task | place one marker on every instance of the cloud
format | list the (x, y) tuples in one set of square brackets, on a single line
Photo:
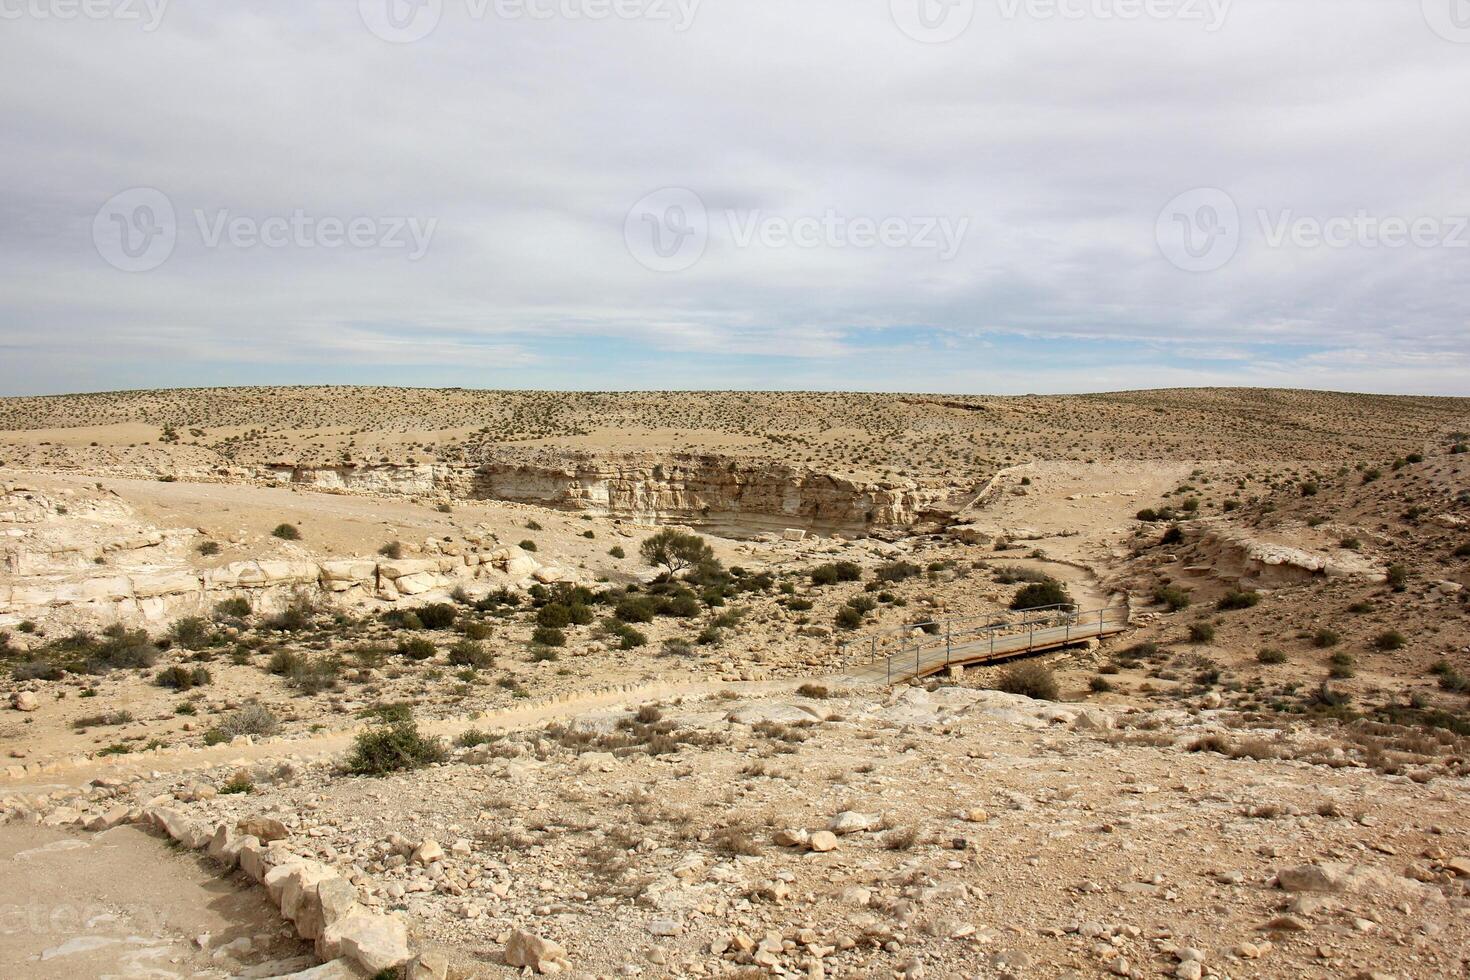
[(1057, 140)]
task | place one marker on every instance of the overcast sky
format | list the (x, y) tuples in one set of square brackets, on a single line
[(999, 196)]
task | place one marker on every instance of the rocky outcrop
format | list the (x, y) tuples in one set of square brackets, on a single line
[(1236, 555), (720, 494)]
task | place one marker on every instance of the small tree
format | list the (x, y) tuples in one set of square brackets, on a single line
[(675, 550)]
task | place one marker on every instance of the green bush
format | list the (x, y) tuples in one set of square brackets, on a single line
[(553, 616), (549, 636), (1324, 638), (1390, 640), (1270, 655), (1238, 599), (896, 571), (439, 616), (182, 678), (191, 633), (208, 549), (1201, 633), (393, 747), (528, 545), (416, 648), (616, 551), (1398, 577), (634, 609), (393, 550), (1172, 596), (1037, 594), (470, 653), (1032, 680), (287, 532), (233, 608)]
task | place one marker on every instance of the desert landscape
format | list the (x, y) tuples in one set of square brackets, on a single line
[(386, 682)]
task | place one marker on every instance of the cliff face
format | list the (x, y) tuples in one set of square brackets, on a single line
[(730, 497)]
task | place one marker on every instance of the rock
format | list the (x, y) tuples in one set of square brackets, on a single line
[(263, 829), (1189, 970), (542, 955), (111, 818), (852, 822), (339, 969), (428, 852), (374, 942), (823, 841), (1310, 878), (1285, 923), (331, 901), (788, 837), (1459, 865), (24, 701), (427, 966), (665, 928)]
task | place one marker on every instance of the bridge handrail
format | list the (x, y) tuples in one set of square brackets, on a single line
[(911, 647)]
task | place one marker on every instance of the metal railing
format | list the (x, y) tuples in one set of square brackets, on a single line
[(923, 648)]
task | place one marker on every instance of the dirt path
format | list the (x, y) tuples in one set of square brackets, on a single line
[(337, 742), (121, 905)]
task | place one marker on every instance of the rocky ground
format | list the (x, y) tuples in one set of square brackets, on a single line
[(674, 775)]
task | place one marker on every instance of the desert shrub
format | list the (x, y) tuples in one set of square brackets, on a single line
[(1148, 515), (553, 616), (1048, 593), (314, 675), (1172, 596), (238, 784), (283, 662), (1099, 685), (36, 670), (549, 636), (119, 649), (683, 606), (404, 619), (439, 616), (862, 603), (677, 648), (208, 549), (528, 545), (393, 550), (296, 617), (236, 608), (1032, 680), (1324, 638), (393, 747), (1309, 488), (1238, 599), (635, 609), (815, 691), (1454, 682), (252, 719), (416, 648), (109, 720), (849, 618), (896, 571), (1342, 665), (182, 678), (1398, 577), (674, 550), (287, 532), (616, 551), (630, 638), (1390, 640), (470, 653), (1174, 535), (1271, 655), (1201, 633), (471, 737), (191, 633)]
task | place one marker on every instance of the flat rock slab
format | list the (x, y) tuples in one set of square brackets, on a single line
[(123, 904)]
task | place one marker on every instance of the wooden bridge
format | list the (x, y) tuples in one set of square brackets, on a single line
[(921, 649)]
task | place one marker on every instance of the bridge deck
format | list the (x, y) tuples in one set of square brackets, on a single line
[(999, 640)]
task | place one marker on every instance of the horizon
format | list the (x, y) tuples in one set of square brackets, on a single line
[(1005, 197)]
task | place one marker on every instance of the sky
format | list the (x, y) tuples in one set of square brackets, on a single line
[(967, 196)]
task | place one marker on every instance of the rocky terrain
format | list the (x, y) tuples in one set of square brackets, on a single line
[(468, 684)]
